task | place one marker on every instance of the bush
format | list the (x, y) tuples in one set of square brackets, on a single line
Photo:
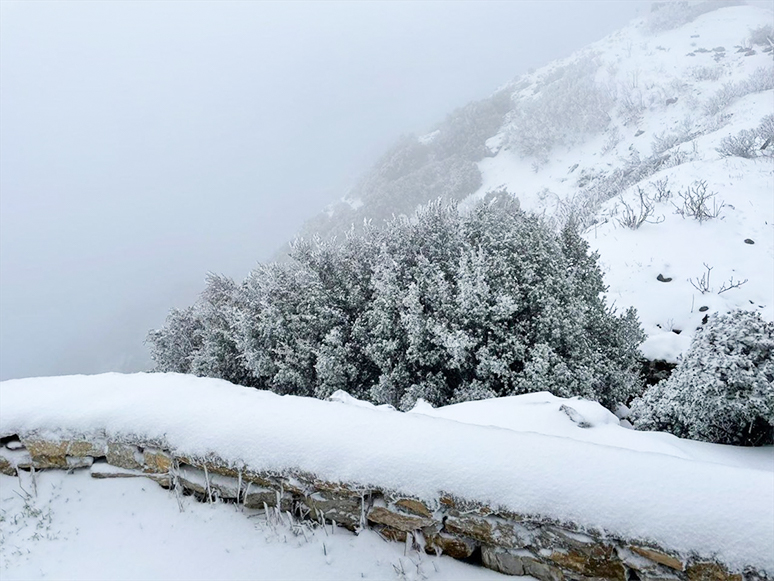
[(743, 144), (723, 389), (442, 306)]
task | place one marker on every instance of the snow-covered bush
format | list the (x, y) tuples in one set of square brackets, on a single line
[(443, 306), (743, 144), (763, 35), (723, 389), (569, 103)]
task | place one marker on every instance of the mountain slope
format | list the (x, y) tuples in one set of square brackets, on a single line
[(629, 137)]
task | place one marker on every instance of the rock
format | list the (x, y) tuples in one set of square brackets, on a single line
[(519, 562), (124, 456), (6, 467), (74, 462), (639, 132), (489, 531), (414, 507), (710, 572), (345, 510), (662, 278), (47, 453), (401, 522), (455, 547), (703, 309), (658, 557), (749, 241), (598, 561), (257, 497), (156, 461)]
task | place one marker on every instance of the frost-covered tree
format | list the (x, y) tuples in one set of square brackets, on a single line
[(442, 306), (722, 390)]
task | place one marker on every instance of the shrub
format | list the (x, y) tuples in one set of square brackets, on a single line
[(743, 144), (763, 35), (442, 306), (723, 389)]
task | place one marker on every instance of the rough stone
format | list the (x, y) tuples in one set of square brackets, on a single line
[(47, 453), (257, 497), (74, 462), (124, 456), (708, 571), (156, 461), (83, 448), (345, 510), (659, 557), (6, 467), (490, 531), (455, 547), (598, 561), (414, 507), (401, 522), (519, 562)]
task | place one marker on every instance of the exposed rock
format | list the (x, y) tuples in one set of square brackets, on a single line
[(710, 572), (156, 461), (401, 522), (662, 278), (414, 507), (490, 531), (598, 561), (124, 456), (345, 510), (47, 453), (455, 547), (519, 562), (257, 497), (74, 462), (6, 467), (659, 557)]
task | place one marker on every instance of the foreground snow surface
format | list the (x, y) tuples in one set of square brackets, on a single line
[(523, 453), (76, 527)]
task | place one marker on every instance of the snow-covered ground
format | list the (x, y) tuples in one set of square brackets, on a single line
[(566, 459), (671, 77), (77, 527)]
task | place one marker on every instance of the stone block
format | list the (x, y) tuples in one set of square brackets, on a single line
[(456, 547), (156, 461), (401, 522), (658, 556), (490, 531), (519, 562), (345, 510), (599, 560), (414, 507), (124, 456), (709, 571)]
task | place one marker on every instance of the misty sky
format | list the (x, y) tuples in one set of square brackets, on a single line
[(143, 144)]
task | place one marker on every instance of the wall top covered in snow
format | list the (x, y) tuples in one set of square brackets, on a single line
[(562, 460)]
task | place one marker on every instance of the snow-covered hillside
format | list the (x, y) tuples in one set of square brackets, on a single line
[(639, 128), (563, 459)]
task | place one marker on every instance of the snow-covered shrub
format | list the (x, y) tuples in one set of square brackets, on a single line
[(569, 103), (763, 35), (761, 79), (697, 203), (722, 390), (702, 73), (442, 306), (743, 144)]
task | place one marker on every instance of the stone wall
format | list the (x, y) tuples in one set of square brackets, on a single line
[(510, 543)]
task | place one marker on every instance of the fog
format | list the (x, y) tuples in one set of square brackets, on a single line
[(143, 144)]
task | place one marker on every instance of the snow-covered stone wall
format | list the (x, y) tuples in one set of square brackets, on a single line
[(501, 540)]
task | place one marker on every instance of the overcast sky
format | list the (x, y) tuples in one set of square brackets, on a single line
[(143, 144)]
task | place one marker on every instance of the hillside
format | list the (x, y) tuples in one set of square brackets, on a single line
[(651, 139)]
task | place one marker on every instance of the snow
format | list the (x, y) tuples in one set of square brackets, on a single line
[(653, 68), (77, 527), (522, 453)]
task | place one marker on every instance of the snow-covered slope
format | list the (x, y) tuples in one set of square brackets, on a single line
[(575, 464), (644, 110)]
